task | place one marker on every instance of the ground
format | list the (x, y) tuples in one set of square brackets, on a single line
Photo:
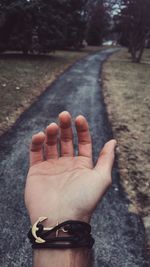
[(23, 78), (119, 233), (126, 88)]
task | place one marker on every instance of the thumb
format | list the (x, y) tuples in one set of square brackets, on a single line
[(106, 157)]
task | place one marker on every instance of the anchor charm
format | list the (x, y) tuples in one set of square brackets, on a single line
[(35, 228)]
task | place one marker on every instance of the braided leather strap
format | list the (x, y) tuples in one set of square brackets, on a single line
[(79, 235)]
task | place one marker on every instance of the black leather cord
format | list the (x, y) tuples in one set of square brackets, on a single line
[(78, 231), (72, 227)]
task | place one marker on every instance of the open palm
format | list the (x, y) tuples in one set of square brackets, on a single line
[(63, 187)]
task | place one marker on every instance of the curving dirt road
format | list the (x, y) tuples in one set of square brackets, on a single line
[(119, 234)]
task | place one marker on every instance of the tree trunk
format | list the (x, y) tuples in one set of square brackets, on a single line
[(133, 54), (141, 53), (137, 55)]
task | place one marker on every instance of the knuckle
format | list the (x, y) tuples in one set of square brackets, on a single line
[(85, 142), (66, 139)]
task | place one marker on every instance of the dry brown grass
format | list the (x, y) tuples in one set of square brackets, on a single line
[(24, 78), (127, 94)]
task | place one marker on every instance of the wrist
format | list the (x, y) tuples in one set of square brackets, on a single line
[(69, 257), (57, 218), (58, 258), (74, 234)]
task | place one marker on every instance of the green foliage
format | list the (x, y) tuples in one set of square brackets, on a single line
[(15, 25), (41, 25)]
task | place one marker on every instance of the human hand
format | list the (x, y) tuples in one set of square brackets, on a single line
[(66, 187)]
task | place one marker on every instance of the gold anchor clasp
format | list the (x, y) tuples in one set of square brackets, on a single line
[(35, 228)]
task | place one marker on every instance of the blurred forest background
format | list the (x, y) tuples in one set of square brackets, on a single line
[(37, 26)]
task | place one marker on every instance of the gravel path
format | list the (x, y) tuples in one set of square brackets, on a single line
[(119, 234)]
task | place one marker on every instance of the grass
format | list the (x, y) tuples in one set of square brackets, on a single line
[(127, 95), (24, 78)]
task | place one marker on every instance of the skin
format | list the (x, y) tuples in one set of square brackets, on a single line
[(63, 186)]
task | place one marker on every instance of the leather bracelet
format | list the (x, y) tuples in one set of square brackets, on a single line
[(79, 235)]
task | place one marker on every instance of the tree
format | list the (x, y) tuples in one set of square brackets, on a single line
[(98, 21), (41, 25), (15, 25), (135, 26), (75, 22)]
